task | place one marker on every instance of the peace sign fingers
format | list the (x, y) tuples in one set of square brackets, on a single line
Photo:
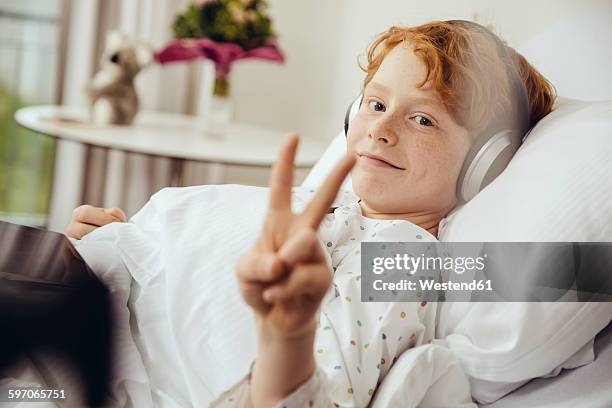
[(281, 178), (319, 206)]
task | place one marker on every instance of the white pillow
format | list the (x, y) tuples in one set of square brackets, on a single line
[(557, 187), (333, 153)]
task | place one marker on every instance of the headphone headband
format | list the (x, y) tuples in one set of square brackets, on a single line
[(495, 145)]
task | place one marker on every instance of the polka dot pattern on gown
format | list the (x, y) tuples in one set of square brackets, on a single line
[(358, 342)]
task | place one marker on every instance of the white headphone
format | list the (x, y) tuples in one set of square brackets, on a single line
[(493, 147)]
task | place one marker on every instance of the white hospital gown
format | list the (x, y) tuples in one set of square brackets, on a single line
[(358, 343)]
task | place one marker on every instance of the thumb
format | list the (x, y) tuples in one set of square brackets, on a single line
[(116, 213)]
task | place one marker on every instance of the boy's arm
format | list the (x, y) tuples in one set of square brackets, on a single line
[(284, 277), (282, 365), (313, 392)]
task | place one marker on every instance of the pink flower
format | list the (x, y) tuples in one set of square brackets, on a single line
[(222, 54)]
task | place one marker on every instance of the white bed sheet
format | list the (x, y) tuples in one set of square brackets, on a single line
[(190, 319), (588, 386)]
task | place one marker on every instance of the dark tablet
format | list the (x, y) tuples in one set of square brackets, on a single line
[(55, 312)]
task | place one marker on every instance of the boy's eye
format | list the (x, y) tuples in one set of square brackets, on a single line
[(376, 104), (419, 119), (422, 120)]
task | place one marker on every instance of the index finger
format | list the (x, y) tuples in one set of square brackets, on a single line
[(318, 207), (281, 177)]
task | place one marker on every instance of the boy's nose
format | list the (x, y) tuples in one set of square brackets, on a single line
[(384, 131)]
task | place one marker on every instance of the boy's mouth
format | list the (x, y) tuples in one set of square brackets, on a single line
[(376, 160)]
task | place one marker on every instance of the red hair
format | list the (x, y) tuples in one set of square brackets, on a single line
[(465, 68)]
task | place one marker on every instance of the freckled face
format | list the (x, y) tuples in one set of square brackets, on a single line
[(410, 150)]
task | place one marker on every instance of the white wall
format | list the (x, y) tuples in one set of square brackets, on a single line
[(322, 40), (296, 95), (576, 56)]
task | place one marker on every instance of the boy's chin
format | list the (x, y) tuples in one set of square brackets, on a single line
[(400, 198), (376, 197), (375, 185)]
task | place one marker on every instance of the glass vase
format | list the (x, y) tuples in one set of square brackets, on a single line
[(221, 110), (220, 115)]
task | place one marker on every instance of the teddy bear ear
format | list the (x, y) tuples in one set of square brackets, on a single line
[(114, 40), (144, 54)]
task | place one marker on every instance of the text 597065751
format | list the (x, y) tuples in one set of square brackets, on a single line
[(25, 394)]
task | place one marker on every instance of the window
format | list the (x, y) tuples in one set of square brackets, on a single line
[(29, 56)]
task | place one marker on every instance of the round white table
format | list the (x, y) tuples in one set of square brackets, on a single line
[(170, 135), (175, 136)]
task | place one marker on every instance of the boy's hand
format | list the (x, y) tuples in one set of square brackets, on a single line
[(87, 218), (285, 274)]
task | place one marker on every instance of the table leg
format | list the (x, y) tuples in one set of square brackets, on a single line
[(66, 193), (216, 173), (176, 172), (115, 175)]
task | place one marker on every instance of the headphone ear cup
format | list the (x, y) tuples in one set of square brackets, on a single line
[(486, 159), (351, 112)]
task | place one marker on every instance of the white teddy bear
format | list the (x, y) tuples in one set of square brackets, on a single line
[(111, 91)]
